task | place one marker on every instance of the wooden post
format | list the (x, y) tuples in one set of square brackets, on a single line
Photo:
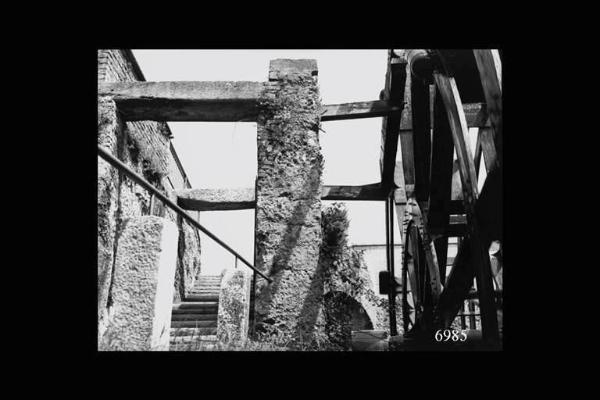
[(483, 273)]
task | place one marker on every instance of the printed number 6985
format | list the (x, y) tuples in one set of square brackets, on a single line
[(450, 334)]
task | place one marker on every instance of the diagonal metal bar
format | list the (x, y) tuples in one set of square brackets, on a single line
[(115, 162)]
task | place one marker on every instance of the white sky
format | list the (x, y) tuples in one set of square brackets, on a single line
[(223, 154)]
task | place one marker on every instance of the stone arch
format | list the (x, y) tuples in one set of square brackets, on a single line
[(360, 318), (364, 300)]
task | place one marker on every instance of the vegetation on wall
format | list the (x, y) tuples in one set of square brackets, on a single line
[(150, 157), (345, 278)]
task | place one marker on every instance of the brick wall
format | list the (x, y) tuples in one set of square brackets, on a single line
[(145, 147)]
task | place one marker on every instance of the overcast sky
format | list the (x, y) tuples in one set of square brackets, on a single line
[(223, 154)]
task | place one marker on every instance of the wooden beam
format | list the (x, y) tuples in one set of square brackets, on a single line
[(490, 71), (489, 216), (457, 191), (405, 144), (442, 154), (418, 215), (244, 198), (421, 128), (459, 281), (441, 250), (185, 101), (364, 109), (460, 134), (395, 83), (488, 148), (361, 193)]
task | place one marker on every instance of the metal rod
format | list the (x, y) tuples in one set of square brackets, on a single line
[(115, 162), (389, 237), (394, 330), (151, 207)]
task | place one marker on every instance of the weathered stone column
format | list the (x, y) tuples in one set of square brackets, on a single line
[(142, 288), (234, 305), (108, 181), (288, 199)]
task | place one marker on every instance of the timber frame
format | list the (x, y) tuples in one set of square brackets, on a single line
[(425, 122)]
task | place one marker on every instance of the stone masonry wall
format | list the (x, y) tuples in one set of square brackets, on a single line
[(145, 147), (288, 209)]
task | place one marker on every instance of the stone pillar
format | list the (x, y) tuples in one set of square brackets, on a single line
[(288, 199), (142, 291), (109, 133), (234, 305)]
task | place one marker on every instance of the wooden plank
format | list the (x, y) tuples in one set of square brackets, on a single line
[(457, 190), (394, 89), (361, 193), (489, 216), (364, 109), (421, 137), (417, 214), (449, 93), (442, 154), (460, 134), (490, 72), (478, 151), (441, 250), (458, 284), (244, 198), (406, 145), (488, 148), (185, 101)]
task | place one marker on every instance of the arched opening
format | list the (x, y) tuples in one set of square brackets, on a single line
[(344, 314)]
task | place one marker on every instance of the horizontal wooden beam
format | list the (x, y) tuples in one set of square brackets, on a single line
[(230, 101), (364, 109), (394, 90), (185, 101), (370, 192), (244, 198)]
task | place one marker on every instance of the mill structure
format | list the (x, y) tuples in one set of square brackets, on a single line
[(441, 115)]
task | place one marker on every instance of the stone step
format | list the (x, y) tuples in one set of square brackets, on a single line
[(196, 305), (195, 311), (192, 346), (201, 298), (193, 324), (208, 332), (194, 317), (202, 291), (188, 339), (206, 287)]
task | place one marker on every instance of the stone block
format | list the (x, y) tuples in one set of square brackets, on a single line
[(142, 289), (234, 305), (285, 68)]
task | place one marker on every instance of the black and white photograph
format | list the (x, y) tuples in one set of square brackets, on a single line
[(299, 200)]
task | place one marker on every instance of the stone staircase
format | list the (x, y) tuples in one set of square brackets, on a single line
[(194, 320)]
